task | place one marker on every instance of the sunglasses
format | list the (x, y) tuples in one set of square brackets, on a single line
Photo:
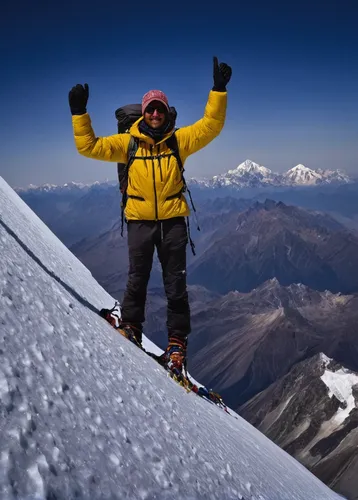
[(151, 108)]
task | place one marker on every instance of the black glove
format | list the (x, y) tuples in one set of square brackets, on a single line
[(222, 75), (77, 98)]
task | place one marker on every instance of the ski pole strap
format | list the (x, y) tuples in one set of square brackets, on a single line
[(193, 206), (192, 245), (122, 221)]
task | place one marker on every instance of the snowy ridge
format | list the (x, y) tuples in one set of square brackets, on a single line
[(54, 188), (86, 414), (251, 174)]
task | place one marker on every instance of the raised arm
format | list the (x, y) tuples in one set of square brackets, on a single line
[(111, 148), (196, 136)]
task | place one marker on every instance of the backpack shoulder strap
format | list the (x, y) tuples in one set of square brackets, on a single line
[(132, 150), (172, 143), (122, 168), (123, 174)]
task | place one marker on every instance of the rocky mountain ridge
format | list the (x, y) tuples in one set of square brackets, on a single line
[(312, 413), (272, 239)]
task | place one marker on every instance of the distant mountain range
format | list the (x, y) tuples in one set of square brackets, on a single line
[(252, 175), (73, 187), (275, 240), (241, 244), (247, 175)]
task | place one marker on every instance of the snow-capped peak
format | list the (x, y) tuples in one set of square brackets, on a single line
[(247, 174), (252, 168), (300, 168), (300, 174), (325, 359)]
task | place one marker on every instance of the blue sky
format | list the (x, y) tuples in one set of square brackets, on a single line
[(293, 95)]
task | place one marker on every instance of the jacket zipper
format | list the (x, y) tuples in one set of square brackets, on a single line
[(160, 164), (155, 191)]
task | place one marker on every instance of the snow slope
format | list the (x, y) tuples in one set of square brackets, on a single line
[(85, 414)]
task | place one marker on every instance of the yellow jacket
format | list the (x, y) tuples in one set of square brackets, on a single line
[(153, 182)]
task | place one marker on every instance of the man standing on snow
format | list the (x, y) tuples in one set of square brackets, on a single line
[(156, 207)]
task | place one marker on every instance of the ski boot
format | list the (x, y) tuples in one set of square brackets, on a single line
[(132, 333), (113, 316), (174, 360)]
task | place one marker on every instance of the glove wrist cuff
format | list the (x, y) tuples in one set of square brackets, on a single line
[(219, 89), (78, 111)]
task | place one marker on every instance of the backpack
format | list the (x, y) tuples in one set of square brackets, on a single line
[(126, 116)]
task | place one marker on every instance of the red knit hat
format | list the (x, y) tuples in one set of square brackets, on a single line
[(154, 95)]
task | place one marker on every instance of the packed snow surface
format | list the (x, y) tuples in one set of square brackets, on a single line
[(86, 414)]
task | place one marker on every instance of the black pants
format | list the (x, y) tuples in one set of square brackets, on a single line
[(170, 238)]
